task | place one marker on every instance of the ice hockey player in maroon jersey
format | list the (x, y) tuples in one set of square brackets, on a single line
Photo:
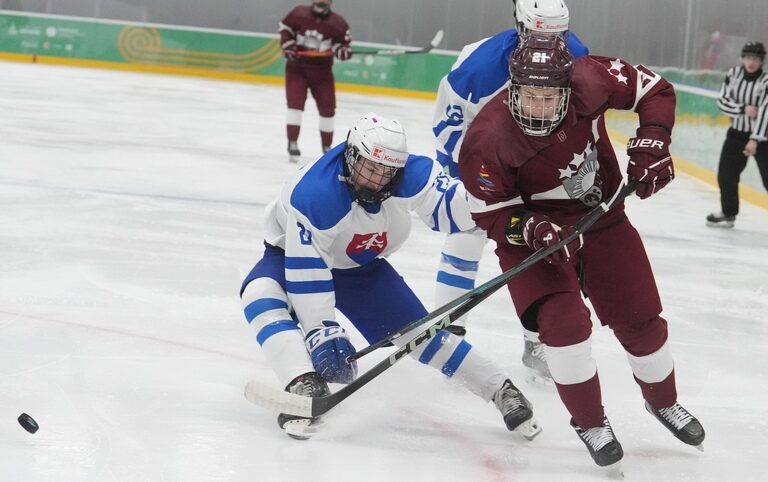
[(311, 37), (535, 160)]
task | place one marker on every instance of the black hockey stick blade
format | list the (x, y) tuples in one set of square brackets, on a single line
[(488, 288), (274, 399), (432, 44)]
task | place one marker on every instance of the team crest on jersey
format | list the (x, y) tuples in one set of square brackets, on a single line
[(484, 179), (313, 40), (364, 248), (581, 177)]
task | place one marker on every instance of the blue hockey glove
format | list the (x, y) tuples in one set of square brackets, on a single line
[(329, 347)]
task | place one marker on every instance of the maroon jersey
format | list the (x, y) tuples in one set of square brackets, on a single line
[(566, 173), (314, 32)]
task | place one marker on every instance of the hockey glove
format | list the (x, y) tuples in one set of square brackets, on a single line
[(289, 50), (329, 347), (343, 53), (540, 232), (649, 161)]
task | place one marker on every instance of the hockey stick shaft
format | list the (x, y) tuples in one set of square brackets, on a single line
[(432, 44), (327, 53), (488, 288), (294, 404)]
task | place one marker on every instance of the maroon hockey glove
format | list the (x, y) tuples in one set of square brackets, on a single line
[(539, 232), (343, 53), (289, 50), (649, 161)]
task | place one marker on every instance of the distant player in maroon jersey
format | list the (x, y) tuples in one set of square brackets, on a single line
[(535, 160), (311, 36)]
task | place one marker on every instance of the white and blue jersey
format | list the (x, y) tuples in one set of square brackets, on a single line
[(321, 227), (480, 72), (326, 251)]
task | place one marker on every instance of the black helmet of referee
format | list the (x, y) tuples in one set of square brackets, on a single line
[(753, 48)]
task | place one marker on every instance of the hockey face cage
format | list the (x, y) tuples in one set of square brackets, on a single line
[(372, 182), (538, 110)]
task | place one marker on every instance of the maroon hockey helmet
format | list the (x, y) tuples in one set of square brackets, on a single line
[(540, 72)]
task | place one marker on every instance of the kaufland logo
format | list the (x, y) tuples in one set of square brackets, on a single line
[(377, 152)]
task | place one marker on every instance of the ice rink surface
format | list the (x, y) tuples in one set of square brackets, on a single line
[(130, 211)]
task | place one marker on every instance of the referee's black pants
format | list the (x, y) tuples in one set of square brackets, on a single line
[(732, 164)]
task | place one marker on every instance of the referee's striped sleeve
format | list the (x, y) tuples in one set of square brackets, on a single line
[(760, 131), (729, 106)]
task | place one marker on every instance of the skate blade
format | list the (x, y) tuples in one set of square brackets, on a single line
[(699, 447), (302, 429), (720, 225), (294, 159), (614, 471), (529, 429), (535, 378)]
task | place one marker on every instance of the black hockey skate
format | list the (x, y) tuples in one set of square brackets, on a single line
[(516, 410), (293, 151), (536, 362), (720, 220), (681, 423), (308, 385), (602, 444)]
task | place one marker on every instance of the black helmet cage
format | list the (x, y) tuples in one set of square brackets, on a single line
[(362, 194), (753, 48)]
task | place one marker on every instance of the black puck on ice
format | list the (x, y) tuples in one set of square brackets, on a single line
[(28, 423)]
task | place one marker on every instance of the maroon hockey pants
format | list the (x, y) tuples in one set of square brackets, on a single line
[(616, 275)]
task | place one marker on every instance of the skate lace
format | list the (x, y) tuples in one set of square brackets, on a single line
[(508, 400), (598, 437), (305, 388), (676, 415), (538, 352)]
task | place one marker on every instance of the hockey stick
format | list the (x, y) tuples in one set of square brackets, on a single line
[(327, 53), (432, 44), (293, 404), (488, 288)]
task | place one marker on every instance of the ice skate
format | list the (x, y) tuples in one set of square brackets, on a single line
[(681, 423), (326, 149), (307, 385), (516, 410), (720, 220), (535, 361), (294, 154), (602, 444)]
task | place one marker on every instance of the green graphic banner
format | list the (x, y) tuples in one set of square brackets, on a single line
[(182, 48)]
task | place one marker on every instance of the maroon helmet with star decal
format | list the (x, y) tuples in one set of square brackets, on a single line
[(540, 72)]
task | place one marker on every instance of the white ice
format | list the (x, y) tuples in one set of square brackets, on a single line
[(130, 210)]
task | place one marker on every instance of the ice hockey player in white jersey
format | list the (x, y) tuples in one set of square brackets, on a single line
[(480, 72), (327, 237)]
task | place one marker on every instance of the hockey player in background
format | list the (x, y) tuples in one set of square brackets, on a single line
[(327, 239), (535, 160), (311, 36), (480, 72)]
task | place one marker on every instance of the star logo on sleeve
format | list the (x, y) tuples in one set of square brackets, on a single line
[(615, 70)]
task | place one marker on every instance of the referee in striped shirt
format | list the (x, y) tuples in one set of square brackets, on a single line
[(743, 98)]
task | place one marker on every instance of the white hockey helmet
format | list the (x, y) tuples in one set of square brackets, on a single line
[(375, 156), (545, 16)]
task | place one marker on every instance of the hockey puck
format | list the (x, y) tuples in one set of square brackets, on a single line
[(28, 423)]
